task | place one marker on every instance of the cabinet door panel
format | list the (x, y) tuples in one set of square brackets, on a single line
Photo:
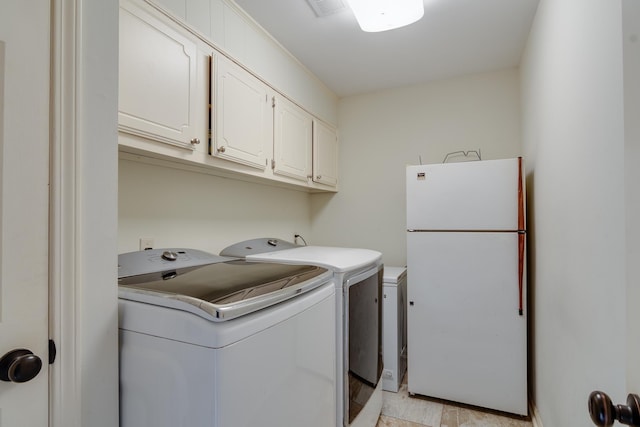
[(157, 93), (293, 133), (243, 116), (325, 154)]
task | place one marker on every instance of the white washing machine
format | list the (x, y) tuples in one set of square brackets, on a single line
[(394, 329), (208, 341), (358, 279)]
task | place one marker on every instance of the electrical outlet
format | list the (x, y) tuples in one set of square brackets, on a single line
[(146, 243)]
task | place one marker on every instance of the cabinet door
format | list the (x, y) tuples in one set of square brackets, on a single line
[(243, 116), (158, 88), (325, 154), (293, 133)]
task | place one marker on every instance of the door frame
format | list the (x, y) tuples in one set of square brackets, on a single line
[(64, 394), (83, 213)]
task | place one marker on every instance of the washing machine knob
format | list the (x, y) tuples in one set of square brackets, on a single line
[(169, 255)]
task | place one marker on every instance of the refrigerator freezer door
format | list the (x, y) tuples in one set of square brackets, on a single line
[(483, 195), (467, 341)]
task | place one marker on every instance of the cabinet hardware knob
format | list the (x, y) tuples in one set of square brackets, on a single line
[(318, 176), (604, 413), (195, 141), (221, 149)]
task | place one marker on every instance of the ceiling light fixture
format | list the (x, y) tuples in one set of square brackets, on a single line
[(383, 15)]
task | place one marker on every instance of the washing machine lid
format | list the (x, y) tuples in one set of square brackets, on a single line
[(222, 290), (256, 246)]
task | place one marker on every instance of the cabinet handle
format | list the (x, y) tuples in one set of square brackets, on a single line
[(318, 176), (195, 141), (221, 149)]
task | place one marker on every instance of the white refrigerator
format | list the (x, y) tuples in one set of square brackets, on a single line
[(467, 314)]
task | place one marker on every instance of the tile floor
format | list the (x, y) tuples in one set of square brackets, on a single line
[(401, 410)]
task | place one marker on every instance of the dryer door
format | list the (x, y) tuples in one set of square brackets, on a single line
[(365, 336)]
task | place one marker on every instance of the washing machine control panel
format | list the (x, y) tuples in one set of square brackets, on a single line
[(158, 260), (169, 255)]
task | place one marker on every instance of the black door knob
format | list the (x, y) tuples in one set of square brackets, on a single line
[(604, 413), (19, 366)]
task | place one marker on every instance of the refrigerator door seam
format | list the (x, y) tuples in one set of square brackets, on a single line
[(466, 231)]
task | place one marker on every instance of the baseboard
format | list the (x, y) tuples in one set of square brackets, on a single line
[(536, 421)]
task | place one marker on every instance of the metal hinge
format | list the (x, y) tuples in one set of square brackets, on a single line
[(273, 164), (273, 102), (52, 352)]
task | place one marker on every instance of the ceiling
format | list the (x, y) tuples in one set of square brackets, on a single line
[(455, 37)]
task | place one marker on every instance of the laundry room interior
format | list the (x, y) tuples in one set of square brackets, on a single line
[(205, 211), (566, 103)]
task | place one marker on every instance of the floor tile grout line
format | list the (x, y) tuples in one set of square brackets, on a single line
[(408, 421)]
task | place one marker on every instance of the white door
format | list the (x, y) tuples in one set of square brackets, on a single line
[(24, 163), (158, 96), (325, 154), (465, 196), (631, 22), (293, 132), (243, 116)]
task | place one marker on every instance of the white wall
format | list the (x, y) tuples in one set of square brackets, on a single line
[(382, 132), (573, 137), (180, 208)]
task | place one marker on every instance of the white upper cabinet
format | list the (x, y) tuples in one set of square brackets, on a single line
[(182, 100), (293, 133), (325, 154), (242, 116), (158, 95)]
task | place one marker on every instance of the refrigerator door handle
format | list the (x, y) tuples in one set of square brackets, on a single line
[(521, 236), (521, 243), (521, 224)]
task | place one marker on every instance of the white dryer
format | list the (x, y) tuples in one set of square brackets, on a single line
[(358, 302), (208, 341)]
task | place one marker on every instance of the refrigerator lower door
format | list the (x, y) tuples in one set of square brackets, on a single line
[(467, 340)]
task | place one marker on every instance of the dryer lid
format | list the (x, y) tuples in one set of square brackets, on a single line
[(256, 246)]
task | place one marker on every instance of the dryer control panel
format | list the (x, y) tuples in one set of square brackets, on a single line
[(257, 246)]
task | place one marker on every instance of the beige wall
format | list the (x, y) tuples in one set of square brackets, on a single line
[(179, 208), (381, 133), (573, 135)]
